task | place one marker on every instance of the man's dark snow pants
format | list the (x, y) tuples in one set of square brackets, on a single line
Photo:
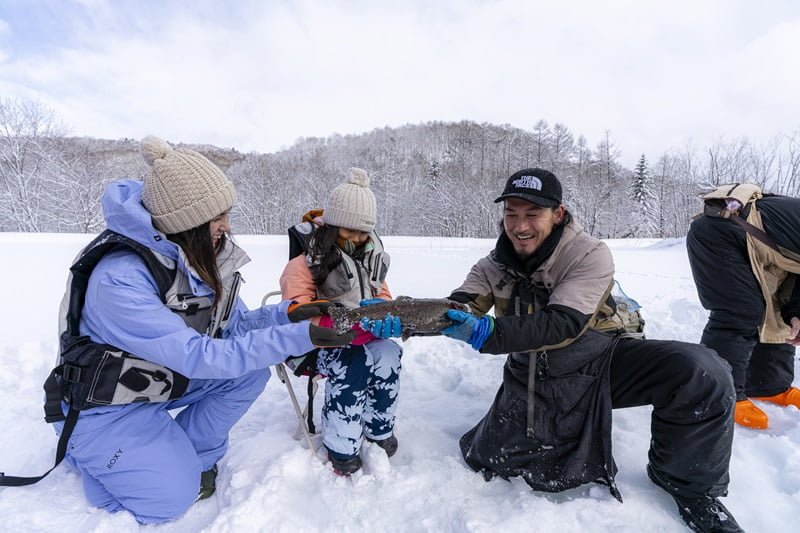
[(692, 395), (729, 290)]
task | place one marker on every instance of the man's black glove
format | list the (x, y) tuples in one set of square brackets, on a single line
[(298, 312), (328, 338)]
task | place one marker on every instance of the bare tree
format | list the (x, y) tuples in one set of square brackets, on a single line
[(563, 147), (727, 161), (541, 142), (25, 161), (786, 178)]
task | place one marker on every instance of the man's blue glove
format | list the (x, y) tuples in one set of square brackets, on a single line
[(469, 328), (383, 328), (371, 301)]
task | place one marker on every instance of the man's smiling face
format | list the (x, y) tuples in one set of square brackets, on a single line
[(528, 225)]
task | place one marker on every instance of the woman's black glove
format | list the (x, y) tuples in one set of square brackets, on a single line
[(328, 338), (297, 312)]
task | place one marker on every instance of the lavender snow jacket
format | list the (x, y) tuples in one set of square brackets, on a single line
[(123, 307)]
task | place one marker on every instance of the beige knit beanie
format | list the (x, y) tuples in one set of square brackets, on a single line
[(183, 189), (351, 205)]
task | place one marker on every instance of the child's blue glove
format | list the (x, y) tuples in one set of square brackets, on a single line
[(371, 301), (383, 328), (469, 328)]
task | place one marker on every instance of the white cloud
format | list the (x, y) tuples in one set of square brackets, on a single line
[(4, 30), (257, 78)]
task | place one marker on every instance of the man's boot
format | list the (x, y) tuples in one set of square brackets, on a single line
[(748, 415), (706, 515), (790, 396)]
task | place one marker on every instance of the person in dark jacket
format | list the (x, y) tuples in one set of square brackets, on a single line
[(570, 364), (750, 287)]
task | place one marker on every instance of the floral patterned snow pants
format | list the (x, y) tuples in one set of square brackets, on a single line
[(360, 394)]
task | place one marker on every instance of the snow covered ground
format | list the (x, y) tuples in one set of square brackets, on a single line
[(269, 482)]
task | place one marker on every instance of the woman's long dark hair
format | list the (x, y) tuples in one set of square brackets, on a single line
[(325, 255), (199, 248)]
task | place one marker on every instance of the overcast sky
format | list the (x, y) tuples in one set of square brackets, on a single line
[(257, 75)]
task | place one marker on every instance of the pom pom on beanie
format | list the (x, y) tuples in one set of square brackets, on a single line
[(358, 177), (154, 148)]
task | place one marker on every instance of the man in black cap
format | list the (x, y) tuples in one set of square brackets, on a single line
[(570, 362)]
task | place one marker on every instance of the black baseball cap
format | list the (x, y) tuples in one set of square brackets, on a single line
[(535, 185)]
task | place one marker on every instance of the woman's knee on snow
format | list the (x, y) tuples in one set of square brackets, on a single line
[(166, 499)]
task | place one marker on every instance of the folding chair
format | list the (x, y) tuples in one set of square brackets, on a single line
[(305, 416)]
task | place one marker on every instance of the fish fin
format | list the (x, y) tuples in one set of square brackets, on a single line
[(462, 307), (403, 298)]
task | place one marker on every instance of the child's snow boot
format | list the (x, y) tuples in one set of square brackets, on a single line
[(388, 444), (344, 466), (790, 396), (748, 415)]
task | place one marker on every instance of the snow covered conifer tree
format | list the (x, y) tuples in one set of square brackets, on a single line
[(644, 221)]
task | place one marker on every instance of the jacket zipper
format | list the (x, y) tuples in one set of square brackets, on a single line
[(222, 315), (360, 282)]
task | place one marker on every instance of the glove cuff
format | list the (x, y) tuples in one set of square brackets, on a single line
[(481, 332)]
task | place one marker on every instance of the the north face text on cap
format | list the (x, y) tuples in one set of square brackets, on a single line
[(528, 182)]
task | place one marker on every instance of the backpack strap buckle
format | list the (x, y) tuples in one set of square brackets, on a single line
[(71, 373), (718, 211)]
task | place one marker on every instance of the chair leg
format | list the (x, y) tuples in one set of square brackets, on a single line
[(303, 423), (302, 428)]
